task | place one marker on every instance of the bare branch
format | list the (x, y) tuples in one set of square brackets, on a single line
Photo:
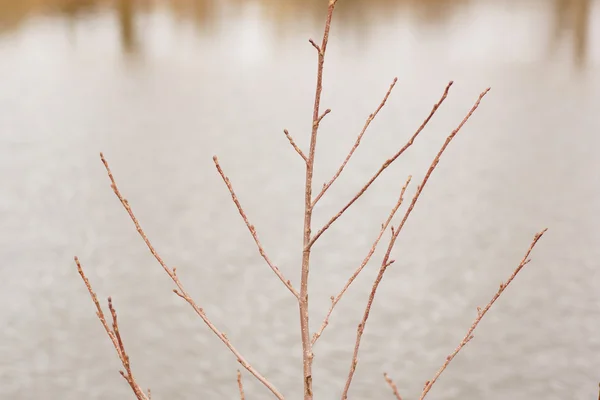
[(393, 386), (114, 335), (336, 299), (298, 150), (356, 143), (481, 313), (318, 122), (240, 386), (386, 164), (115, 329), (316, 46), (182, 293), (307, 355), (252, 230), (128, 375), (395, 232)]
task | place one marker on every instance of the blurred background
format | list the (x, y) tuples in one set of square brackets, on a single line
[(161, 86)]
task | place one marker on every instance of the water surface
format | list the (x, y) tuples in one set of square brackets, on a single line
[(161, 87)]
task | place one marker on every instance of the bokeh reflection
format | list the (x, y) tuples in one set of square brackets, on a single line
[(568, 19)]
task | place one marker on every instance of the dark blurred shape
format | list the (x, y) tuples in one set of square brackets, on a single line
[(15, 12), (126, 13), (74, 8), (201, 12), (572, 19)]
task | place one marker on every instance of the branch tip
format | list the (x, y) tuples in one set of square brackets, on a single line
[(396, 231), (316, 46), (480, 314), (370, 119), (181, 291), (392, 385), (383, 167), (294, 145), (252, 230)]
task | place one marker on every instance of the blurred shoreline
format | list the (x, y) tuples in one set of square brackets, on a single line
[(570, 19)]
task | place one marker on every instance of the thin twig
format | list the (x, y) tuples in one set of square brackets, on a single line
[(114, 335), (115, 329), (393, 386), (294, 145), (181, 291), (318, 122), (356, 143), (336, 299), (316, 46), (395, 232), (252, 230), (240, 386), (481, 313), (307, 354), (386, 164)]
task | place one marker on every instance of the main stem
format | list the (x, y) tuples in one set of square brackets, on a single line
[(303, 300), (307, 354)]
